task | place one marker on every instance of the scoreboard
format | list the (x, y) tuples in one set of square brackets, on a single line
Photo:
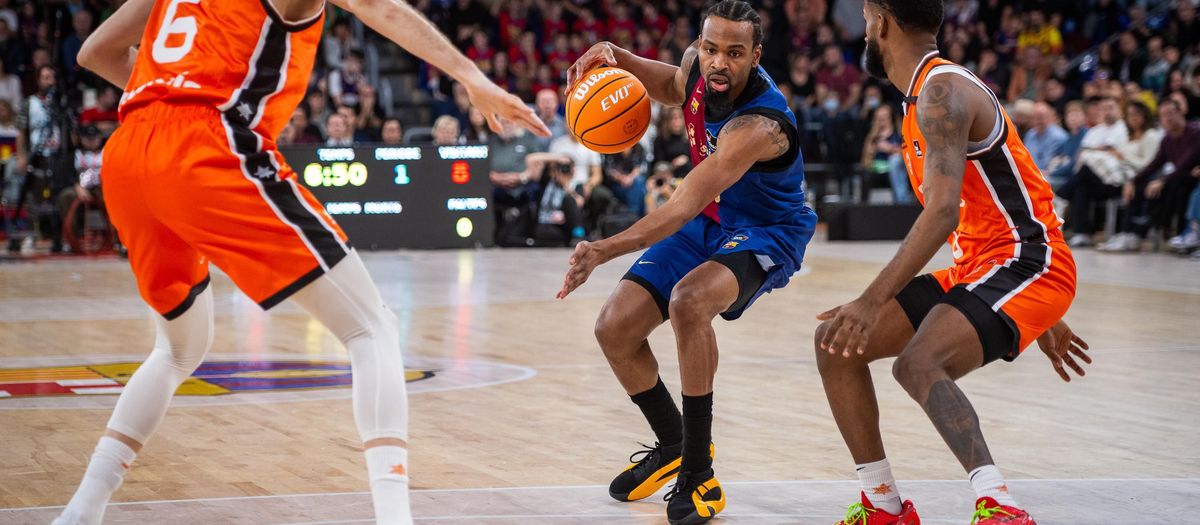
[(388, 197)]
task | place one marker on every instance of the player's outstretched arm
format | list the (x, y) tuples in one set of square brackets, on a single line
[(405, 26), (745, 141), (664, 82), (946, 113), (107, 51)]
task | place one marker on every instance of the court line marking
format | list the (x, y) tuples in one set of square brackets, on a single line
[(570, 487)]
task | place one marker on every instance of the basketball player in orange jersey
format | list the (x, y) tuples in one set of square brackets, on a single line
[(1012, 281), (192, 176)]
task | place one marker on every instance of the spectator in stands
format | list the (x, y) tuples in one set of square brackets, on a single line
[(81, 22), (29, 76), (843, 79), (1040, 35), (305, 131), (1054, 93), (104, 115), (369, 116), (1027, 78), (287, 135), (481, 51), (550, 212), (547, 110), (1189, 238), (671, 143), (881, 154), (40, 126), (1046, 139), (800, 77), (477, 128), (10, 85), (1154, 77), (586, 163), (446, 132), (1131, 59), (660, 186), (346, 82), (337, 43), (1104, 171), (510, 176), (545, 79), (560, 56), (1158, 195), (318, 110), (1063, 166), (88, 160), (624, 175), (338, 131), (392, 132), (8, 157)]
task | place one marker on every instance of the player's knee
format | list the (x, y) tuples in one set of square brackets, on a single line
[(915, 372), (823, 357), (609, 332), (689, 305)]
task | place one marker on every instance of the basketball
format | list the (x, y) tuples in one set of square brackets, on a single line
[(608, 110)]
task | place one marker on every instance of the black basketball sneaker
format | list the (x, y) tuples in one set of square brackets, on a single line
[(695, 498), (643, 477)]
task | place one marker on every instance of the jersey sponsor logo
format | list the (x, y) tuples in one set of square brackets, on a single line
[(917, 148), (210, 379)]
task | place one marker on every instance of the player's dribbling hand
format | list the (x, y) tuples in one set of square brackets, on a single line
[(601, 53), (1058, 343), (849, 325), (496, 104), (587, 257)]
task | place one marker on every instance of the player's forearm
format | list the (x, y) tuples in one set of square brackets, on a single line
[(107, 51), (399, 22), (658, 77), (655, 226), (923, 241)]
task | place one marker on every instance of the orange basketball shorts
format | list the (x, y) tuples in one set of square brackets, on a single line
[(1012, 294), (184, 189)]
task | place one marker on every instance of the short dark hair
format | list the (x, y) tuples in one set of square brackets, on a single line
[(919, 15), (738, 11), (1170, 102)]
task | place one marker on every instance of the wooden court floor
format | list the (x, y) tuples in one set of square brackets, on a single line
[(516, 417)]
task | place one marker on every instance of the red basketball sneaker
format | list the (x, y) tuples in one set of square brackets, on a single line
[(988, 512), (866, 514)]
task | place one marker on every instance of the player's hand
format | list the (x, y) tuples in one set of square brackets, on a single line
[(849, 325), (496, 104), (587, 256), (1058, 343), (1127, 193), (1154, 189), (601, 53)]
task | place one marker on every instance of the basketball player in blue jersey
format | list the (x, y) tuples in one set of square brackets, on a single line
[(704, 259)]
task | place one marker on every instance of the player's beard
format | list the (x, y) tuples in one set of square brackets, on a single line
[(718, 102), (873, 61)]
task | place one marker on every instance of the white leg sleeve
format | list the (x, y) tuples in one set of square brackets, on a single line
[(179, 348), (346, 301)]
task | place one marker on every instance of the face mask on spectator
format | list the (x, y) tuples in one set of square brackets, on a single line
[(831, 105)]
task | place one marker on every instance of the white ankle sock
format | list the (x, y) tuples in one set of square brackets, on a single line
[(104, 475), (987, 481), (880, 485), (387, 468)]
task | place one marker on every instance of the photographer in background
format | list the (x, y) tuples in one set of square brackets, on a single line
[(660, 186), (40, 149), (549, 213)]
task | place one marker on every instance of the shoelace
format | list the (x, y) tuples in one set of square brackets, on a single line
[(647, 454), (857, 514), (683, 485), (982, 512)]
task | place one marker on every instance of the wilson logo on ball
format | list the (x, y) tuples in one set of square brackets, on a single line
[(609, 110)]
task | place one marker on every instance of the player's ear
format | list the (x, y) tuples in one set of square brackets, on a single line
[(884, 23), (757, 54)]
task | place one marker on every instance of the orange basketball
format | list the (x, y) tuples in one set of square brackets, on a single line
[(608, 110)]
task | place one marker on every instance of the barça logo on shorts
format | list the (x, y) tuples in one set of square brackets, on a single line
[(211, 379), (730, 245)]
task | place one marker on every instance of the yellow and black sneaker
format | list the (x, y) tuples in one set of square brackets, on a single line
[(694, 499), (643, 477)]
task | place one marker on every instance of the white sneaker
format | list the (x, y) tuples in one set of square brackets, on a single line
[(1186, 241), (1122, 242), (1080, 240)]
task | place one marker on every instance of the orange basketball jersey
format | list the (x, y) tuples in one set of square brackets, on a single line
[(238, 56), (1005, 198)]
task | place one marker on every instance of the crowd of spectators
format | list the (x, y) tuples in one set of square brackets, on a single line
[(1103, 91)]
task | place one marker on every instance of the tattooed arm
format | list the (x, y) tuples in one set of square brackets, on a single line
[(745, 140), (947, 108)]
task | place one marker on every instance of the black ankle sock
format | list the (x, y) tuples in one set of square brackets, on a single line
[(660, 412), (697, 433)]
